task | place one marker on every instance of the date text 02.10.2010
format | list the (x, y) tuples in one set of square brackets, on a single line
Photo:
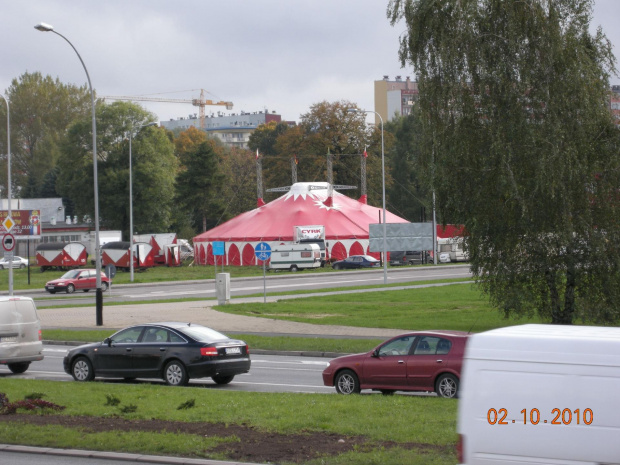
[(559, 417)]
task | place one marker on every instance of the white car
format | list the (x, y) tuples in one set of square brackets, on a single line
[(18, 262)]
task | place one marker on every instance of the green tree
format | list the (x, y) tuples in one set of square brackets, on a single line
[(41, 110), (408, 195), (331, 127), (199, 185), (519, 144), (153, 171), (239, 184)]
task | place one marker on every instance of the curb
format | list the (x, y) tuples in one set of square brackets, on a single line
[(139, 458)]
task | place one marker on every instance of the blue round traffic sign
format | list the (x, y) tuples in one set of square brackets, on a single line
[(262, 251)]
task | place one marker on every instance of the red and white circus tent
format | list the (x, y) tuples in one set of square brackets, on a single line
[(346, 223)]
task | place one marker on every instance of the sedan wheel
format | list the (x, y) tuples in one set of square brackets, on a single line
[(447, 386), (336, 267), (82, 370), (175, 374), (70, 289), (221, 379), (104, 286), (347, 383), (22, 266)]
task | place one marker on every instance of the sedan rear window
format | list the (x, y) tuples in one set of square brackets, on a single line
[(202, 333)]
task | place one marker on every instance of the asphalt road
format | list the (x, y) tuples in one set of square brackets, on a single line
[(269, 373), (239, 287)]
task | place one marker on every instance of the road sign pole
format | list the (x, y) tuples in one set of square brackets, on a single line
[(262, 251), (264, 284)]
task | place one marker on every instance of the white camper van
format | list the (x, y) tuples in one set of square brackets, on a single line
[(20, 333), (541, 394), (295, 257)]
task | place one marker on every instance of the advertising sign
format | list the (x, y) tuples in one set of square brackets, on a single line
[(25, 224)]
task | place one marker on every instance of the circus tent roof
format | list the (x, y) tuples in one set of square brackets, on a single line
[(306, 203)]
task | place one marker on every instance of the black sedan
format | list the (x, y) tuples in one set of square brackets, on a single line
[(174, 352), (356, 261)]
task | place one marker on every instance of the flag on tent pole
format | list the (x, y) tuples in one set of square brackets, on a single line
[(365, 153), (257, 154)]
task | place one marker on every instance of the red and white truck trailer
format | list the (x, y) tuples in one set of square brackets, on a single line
[(61, 255), (118, 253), (165, 247)]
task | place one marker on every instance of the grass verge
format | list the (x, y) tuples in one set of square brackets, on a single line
[(427, 432), (457, 307), (281, 343)]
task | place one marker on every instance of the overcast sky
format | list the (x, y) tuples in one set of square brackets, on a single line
[(280, 55)]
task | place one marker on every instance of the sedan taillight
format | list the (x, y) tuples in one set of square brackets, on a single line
[(208, 351), (247, 349), (40, 336)]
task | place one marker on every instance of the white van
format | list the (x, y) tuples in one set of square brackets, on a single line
[(20, 333), (541, 394), (295, 257)]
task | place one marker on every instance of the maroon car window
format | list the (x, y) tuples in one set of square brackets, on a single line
[(429, 345), (396, 347)]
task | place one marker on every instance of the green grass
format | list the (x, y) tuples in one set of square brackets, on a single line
[(429, 421), (282, 343), (457, 307)]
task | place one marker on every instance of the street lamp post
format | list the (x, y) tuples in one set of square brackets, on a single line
[(99, 294), (355, 110), (131, 200), (8, 163)]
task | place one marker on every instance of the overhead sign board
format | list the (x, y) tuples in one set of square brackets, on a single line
[(401, 236), (262, 251), (23, 224)]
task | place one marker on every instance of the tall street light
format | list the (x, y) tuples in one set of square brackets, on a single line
[(99, 294), (8, 163), (355, 110), (131, 131)]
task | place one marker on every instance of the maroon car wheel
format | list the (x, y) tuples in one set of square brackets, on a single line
[(447, 386), (347, 383)]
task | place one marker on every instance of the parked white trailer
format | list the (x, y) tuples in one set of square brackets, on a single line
[(312, 234), (295, 257), (541, 394), (451, 249)]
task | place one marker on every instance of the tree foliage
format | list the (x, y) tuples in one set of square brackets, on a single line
[(408, 195), (199, 185), (41, 111), (519, 144), (153, 171), (327, 127)]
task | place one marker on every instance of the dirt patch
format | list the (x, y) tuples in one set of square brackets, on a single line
[(253, 445)]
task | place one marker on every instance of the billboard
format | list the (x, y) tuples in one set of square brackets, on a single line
[(401, 236), (26, 223)]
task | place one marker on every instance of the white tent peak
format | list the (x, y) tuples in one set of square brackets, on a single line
[(315, 190)]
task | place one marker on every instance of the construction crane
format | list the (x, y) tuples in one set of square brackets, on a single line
[(201, 103)]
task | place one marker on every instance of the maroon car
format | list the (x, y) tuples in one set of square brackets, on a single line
[(80, 280), (419, 361)]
